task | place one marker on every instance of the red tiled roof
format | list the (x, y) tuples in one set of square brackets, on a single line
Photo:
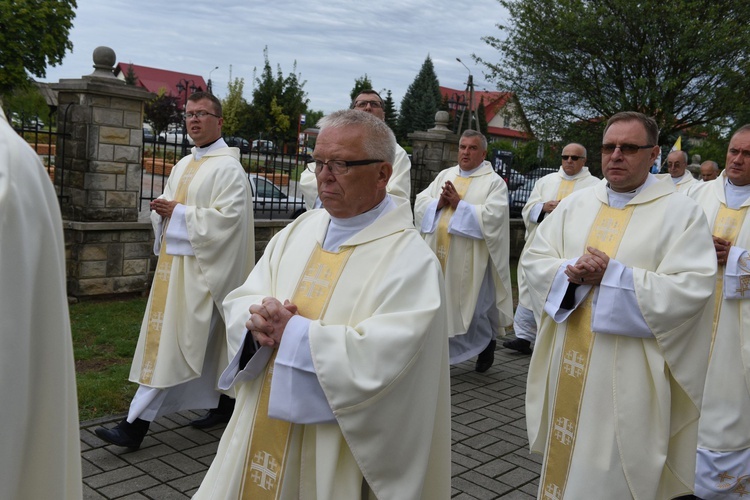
[(493, 101), (509, 133), (154, 79)]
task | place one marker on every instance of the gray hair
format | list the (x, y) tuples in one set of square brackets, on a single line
[(379, 142), (712, 164), (744, 128), (474, 133), (585, 153), (684, 154)]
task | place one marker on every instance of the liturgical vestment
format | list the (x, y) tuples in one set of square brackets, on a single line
[(40, 449), (613, 398), (379, 355), (473, 245), (196, 274), (724, 432)]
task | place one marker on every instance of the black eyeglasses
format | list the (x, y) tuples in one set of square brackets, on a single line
[(572, 157), (200, 115), (337, 167), (363, 104), (626, 149)]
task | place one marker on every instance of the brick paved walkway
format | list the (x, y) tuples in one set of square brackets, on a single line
[(490, 448)]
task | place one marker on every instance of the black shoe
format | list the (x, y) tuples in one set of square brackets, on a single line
[(486, 357), (521, 345), (211, 418), (125, 434)]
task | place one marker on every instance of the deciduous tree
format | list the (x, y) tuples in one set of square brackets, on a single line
[(33, 35), (683, 62), (360, 84)]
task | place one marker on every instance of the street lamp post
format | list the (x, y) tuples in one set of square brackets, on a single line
[(183, 85), (470, 88), (210, 87)]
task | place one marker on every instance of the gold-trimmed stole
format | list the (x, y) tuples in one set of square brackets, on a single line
[(565, 188), (270, 438), (726, 226), (443, 237), (160, 285), (605, 234)]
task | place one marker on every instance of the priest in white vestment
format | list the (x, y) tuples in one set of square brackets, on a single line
[(399, 185), (204, 231), (40, 447), (678, 173), (622, 275), (348, 396), (723, 462), (544, 198), (463, 216)]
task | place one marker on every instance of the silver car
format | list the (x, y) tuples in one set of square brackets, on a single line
[(270, 202)]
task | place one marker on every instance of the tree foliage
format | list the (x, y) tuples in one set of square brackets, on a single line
[(421, 101), (130, 77), (684, 62), (360, 84), (278, 102), (33, 35), (233, 107), (389, 109), (161, 111)]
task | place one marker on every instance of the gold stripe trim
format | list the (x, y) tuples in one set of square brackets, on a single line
[(160, 285), (267, 452), (443, 237), (565, 188), (606, 234)]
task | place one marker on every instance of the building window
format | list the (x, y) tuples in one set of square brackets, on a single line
[(506, 121)]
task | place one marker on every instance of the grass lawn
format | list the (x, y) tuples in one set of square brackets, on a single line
[(104, 338)]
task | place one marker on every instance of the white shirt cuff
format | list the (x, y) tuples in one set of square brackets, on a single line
[(430, 219), (296, 394), (616, 309), (465, 222), (557, 292), (535, 211), (177, 239)]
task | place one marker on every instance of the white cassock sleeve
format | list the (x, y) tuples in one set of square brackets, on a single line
[(296, 395), (465, 222), (536, 210), (737, 270), (615, 308), (430, 219), (178, 241)]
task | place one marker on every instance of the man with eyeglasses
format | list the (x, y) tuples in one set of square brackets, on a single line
[(544, 198), (204, 236), (622, 277), (723, 462), (399, 185), (348, 395), (463, 217), (682, 179)]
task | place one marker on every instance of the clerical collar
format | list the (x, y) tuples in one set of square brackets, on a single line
[(570, 177), (467, 173), (735, 195), (200, 152), (341, 230), (619, 200), (676, 180), (207, 145)]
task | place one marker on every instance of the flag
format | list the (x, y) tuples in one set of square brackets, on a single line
[(677, 144)]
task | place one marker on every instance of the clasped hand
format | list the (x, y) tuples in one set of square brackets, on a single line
[(722, 247), (268, 320), (448, 196), (589, 268)]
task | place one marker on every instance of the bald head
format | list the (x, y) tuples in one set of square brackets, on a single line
[(709, 170)]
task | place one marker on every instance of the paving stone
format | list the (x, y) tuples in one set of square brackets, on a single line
[(113, 476), (165, 492)]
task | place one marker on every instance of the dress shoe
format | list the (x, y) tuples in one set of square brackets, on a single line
[(521, 345), (125, 434), (486, 357), (210, 419)]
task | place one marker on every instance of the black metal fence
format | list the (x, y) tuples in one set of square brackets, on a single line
[(273, 174)]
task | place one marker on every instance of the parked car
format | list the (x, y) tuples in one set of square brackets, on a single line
[(263, 146), (26, 122), (148, 134), (238, 142), (175, 136), (270, 202), (520, 196)]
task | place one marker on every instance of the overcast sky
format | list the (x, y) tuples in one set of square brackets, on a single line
[(333, 41)]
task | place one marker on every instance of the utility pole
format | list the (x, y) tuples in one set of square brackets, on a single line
[(472, 113)]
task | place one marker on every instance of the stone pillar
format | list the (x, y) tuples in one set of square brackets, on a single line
[(432, 151), (98, 175)]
